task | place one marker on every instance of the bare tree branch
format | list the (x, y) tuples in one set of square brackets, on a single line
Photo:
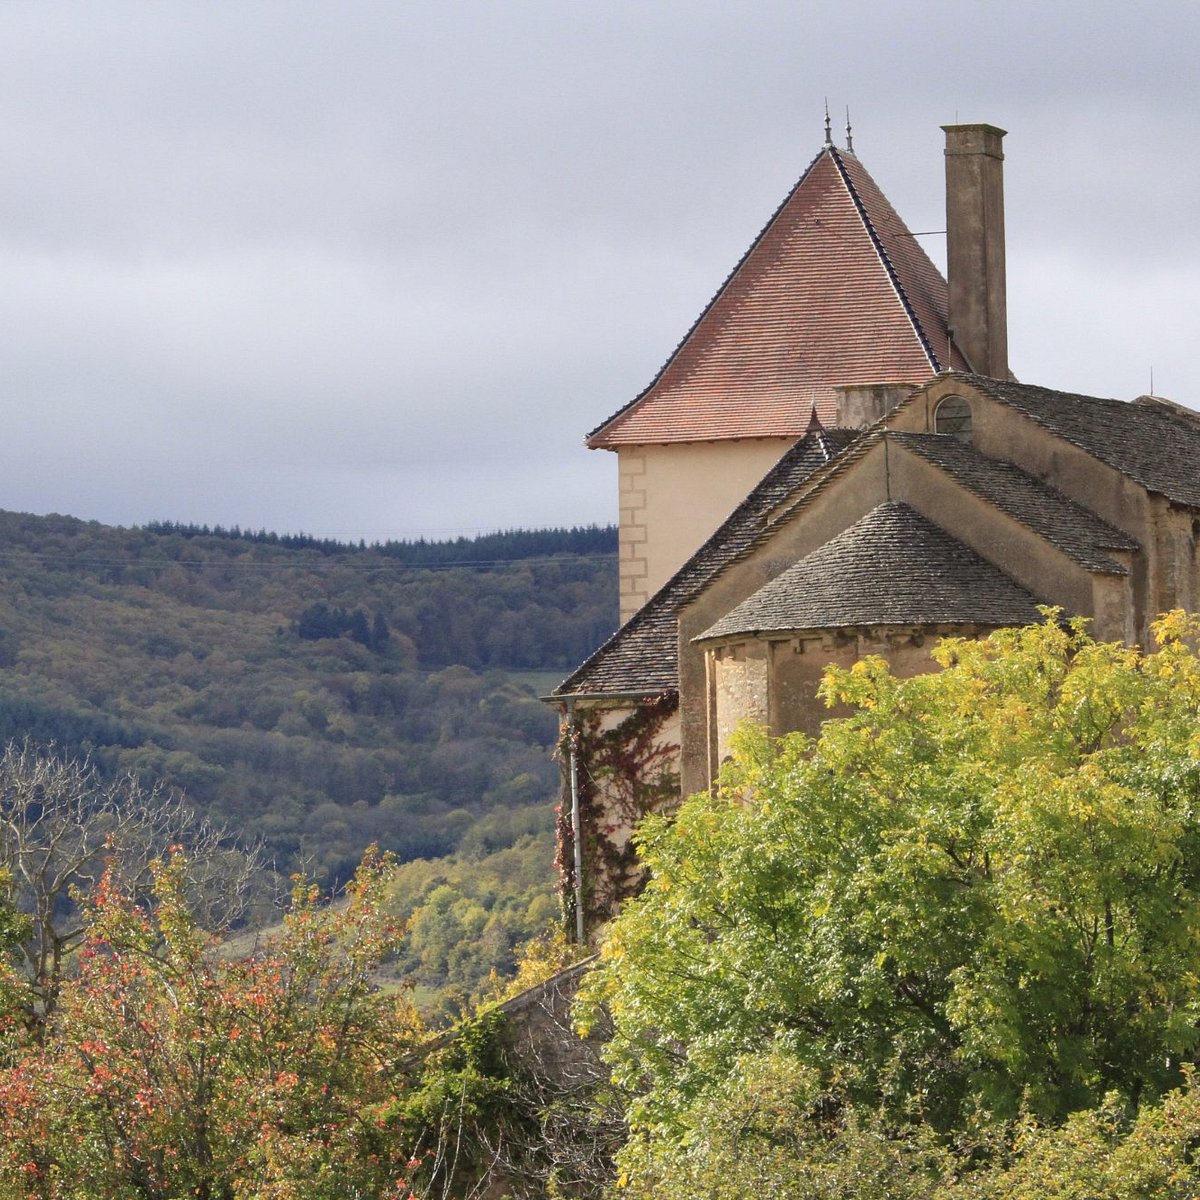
[(61, 823)]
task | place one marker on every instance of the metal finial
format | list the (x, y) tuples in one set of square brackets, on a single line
[(849, 135), (828, 126), (814, 422)]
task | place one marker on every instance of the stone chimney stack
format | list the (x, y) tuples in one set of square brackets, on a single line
[(975, 246)]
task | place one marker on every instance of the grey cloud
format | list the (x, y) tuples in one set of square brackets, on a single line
[(375, 268)]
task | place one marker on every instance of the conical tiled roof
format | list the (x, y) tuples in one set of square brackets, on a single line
[(894, 567), (835, 290)]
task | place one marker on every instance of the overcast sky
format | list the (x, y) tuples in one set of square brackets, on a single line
[(374, 269)]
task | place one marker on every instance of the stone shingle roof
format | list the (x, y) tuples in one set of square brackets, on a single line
[(835, 290), (1060, 521), (1153, 443), (642, 656), (893, 567)]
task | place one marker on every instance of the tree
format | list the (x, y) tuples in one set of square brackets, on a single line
[(771, 1129), (357, 627), (1105, 1153), (975, 899), (380, 633), (173, 1069), (62, 826), (15, 928)]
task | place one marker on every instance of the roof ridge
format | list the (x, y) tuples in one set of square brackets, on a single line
[(741, 262), (883, 532), (870, 436), (886, 259), (997, 388), (825, 444), (1170, 408)]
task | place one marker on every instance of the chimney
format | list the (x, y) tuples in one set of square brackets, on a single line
[(975, 246)]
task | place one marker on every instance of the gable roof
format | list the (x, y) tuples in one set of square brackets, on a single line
[(1153, 442), (892, 567), (642, 657), (1070, 527), (834, 290)]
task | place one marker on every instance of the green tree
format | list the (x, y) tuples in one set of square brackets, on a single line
[(1105, 1153), (975, 898), (770, 1129), (379, 633), (15, 930)]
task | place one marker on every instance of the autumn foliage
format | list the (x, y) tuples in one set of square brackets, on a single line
[(172, 1070)]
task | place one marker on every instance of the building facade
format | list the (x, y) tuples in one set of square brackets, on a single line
[(917, 491)]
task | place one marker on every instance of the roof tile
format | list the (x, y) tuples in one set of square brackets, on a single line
[(642, 656), (835, 290), (1060, 521), (1153, 442), (892, 567)]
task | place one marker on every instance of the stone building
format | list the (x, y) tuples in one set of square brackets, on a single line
[(837, 462), (834, 291)]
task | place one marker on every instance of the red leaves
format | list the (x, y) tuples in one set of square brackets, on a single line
[(172, 1067)]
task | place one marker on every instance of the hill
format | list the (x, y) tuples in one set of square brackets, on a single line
[(315, 694)]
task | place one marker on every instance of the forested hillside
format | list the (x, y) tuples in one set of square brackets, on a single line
[(317, 695)]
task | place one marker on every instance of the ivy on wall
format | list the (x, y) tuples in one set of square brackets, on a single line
[(623, 773)]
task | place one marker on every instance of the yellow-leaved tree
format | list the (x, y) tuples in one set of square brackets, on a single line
[(898, 957)]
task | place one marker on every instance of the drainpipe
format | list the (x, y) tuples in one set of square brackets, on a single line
[(576, 830)]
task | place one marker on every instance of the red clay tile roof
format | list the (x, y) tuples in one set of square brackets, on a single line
[(835, 290)]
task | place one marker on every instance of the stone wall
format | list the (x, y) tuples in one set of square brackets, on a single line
[(779, 690), (626, 759)]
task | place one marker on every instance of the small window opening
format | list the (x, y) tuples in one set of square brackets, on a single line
[(953, 417)]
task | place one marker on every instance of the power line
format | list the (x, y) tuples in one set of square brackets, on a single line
[(326, 563)]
